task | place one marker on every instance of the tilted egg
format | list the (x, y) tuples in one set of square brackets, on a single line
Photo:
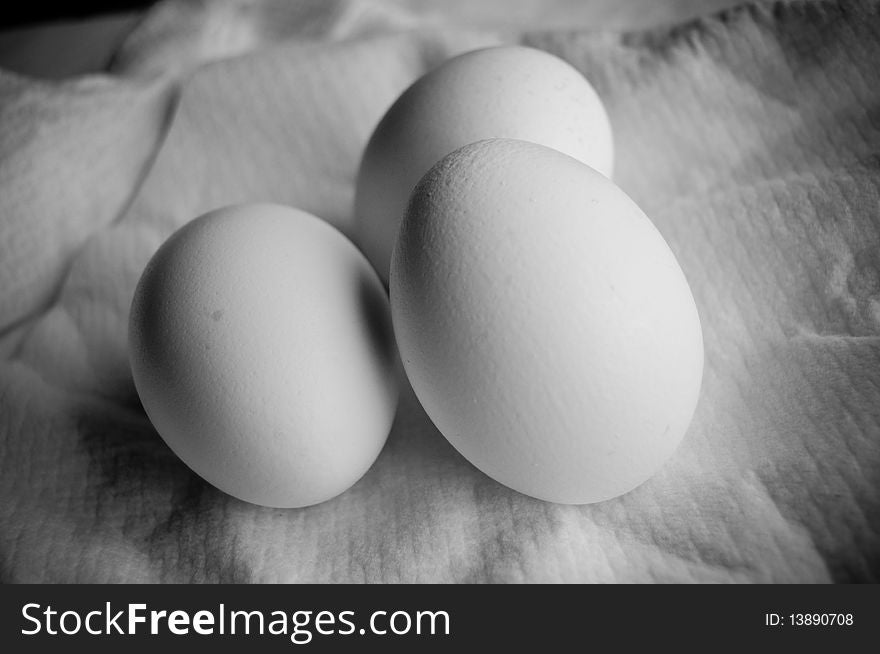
[(510, 91), (262, 351), (544, 323)]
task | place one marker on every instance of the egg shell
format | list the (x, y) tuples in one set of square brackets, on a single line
[(262, 351), (508, 91), (544, 323)]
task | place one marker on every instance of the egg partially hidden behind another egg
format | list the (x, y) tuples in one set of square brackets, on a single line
[(544, 323), (510, 91), (262, 351)]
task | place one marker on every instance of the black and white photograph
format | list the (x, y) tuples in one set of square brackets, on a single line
[(410, 292)]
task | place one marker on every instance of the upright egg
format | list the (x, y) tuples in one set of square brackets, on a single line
[(262, 351), (510, 91), (544, 323)]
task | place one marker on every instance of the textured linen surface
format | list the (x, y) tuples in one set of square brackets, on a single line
[(750, 137)]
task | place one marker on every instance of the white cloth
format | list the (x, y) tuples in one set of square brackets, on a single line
[(750, 138)]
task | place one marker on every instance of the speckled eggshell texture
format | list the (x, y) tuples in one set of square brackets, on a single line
[(544, 323), (508, 91), (262, 351)]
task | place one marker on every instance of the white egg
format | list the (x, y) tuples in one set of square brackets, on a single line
[(510, 91), (544, 323), (261, 348)]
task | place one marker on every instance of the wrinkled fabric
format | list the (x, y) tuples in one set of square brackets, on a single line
[(751, 138)]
